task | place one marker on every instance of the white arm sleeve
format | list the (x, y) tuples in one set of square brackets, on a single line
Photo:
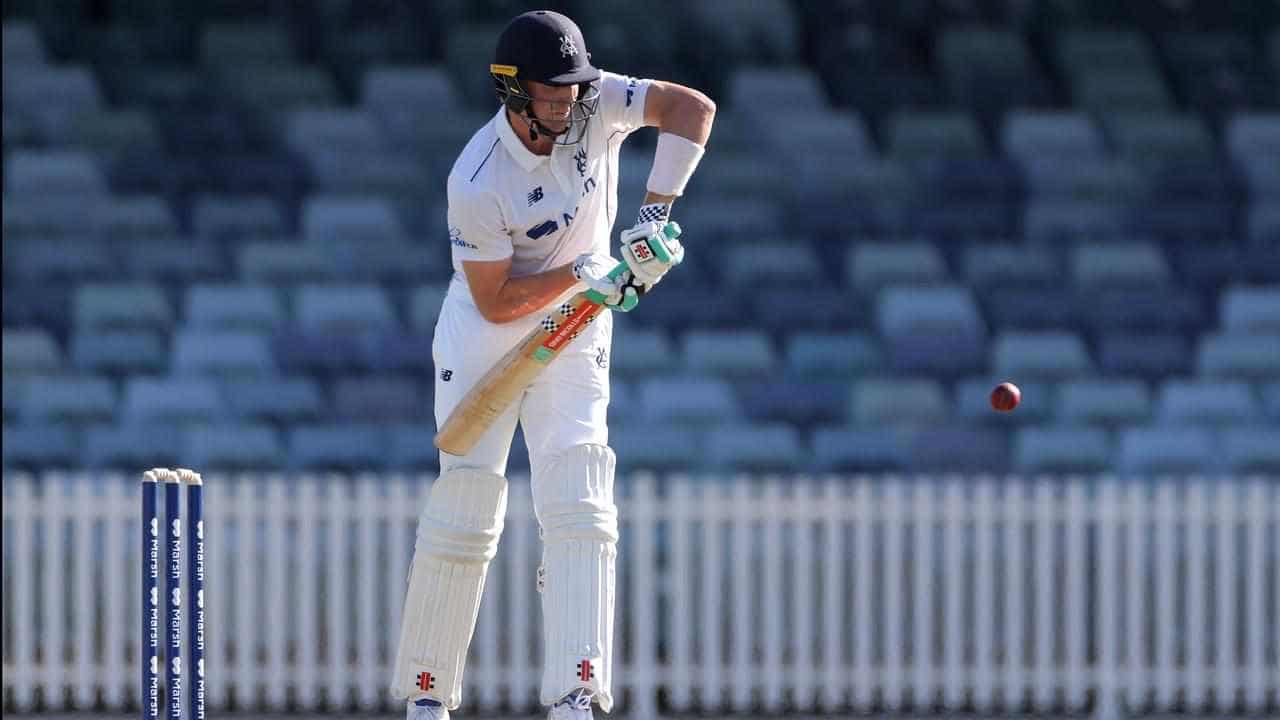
[(477, 228), (622, 101)]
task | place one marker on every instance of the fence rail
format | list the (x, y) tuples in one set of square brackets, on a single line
[(735, 594)]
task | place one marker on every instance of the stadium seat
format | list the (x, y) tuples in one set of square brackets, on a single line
[(343, 308), (773, 447), (53, 172), (727, 353), (110, 133), (1081, 50), (1148, 355), (171, 400), (121, 307), (39, 447), (1029, 308), (77, 399), (63, 260), (944, 310), (395, 351), (1264, 225), (754, 265), (795, 88), (1240, 357), (410, 448), (1103, 402), (641, 351), (1046, 355), (833, 355), (1061, 450), (1130, 90), (1252, 137), (897, 402), (134, 217), (56, 93), (244, 46), (942, 449), (408, 90), (177, 260), (424, 306), (1135, 264), (800, 401), (1156, 308), (128, 447), (222, 353), (1153, 139), (22, 44), (276, 89), (1252, 449), (924, 135), (347, 131), (233, 307), (1089, 186), (31, 351), (121, 352), (371, 219), (234, 448), (1250, 310), (1054, 220), (810, 305), (871, 266), (1056, 134), (1001, 266), (338, 447), (850, 449), (14, 390), (768, 29), (1186, 402), (1162, 450), (991, 68), (688, 399), (286, 399), (655, 445), (380, 399), (237, 217), (283, 263)]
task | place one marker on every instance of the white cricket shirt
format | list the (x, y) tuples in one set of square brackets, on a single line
[(540, 210)]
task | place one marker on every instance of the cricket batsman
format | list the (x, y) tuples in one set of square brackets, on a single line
[(532, 200)]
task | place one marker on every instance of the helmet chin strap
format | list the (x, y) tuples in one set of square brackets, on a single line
[(535, 127)]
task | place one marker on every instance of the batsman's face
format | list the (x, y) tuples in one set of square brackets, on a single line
[(552, 104)]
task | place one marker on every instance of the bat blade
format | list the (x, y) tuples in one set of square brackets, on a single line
[(507, 379)]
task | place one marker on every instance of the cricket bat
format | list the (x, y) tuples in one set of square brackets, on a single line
[(508, 378)]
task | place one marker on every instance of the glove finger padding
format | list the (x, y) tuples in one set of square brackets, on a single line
[(651, 250)]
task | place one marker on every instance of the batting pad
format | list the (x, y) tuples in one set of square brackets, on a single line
[(573, 498), (457, 537)]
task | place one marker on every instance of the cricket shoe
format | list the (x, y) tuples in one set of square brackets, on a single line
[(427, 709), (574, 706)]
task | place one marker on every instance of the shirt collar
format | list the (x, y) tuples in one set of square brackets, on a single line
[(526, 158)]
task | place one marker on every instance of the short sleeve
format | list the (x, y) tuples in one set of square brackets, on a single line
[(622, 101), (477, 230)]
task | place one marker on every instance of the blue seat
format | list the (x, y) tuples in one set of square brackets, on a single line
[(237, 217), (123, 352), (898, 402), (851, 449), (727, 352), (39, 447), (380, 399), (222, 353), (244, 46), (641, 351), (990, 68), (1252, 449), (30, 351), (389, 262), (234, 307), (119, 307), (53, 172), (1271, 399), (1151, 139), (343, 130), (331, 351), (1001, 266), (1136, 264), (1053, 219), (61, 260), (1104, 402), (947, 353), (78, 399), (180, 261), (424, 305), (1243, 357), (1143, 309), (1096, 49), (283, 263), (958, 449), (1145, 355), (286, 399), (833, 355), (1041, 355), (1247, 310), (808, 306), (22, 44), (789, 87), (1130, 90), (798, 401), (135, 217), (338, 447), (408, 90), (328, 217), (773, 447), (233, 448), (680, 308), (777, 263), (1065, 135), (15, 392), (1263, 225), (171, 401), (131, 446), (1062, 449), (655, 445), (944, 310), (930, 135), (395, 351), (973, 402), (343, 308), (1186, 402), (688, 399), (1029, 308), (871, 266), (1159, 450), (410, 448), (278, 88)]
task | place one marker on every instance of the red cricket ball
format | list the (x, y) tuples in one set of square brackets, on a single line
[(1005, 397)]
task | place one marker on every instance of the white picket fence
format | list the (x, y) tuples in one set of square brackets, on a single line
[(735, 594)]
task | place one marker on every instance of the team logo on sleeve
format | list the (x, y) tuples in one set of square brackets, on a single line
[(455, 238)]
